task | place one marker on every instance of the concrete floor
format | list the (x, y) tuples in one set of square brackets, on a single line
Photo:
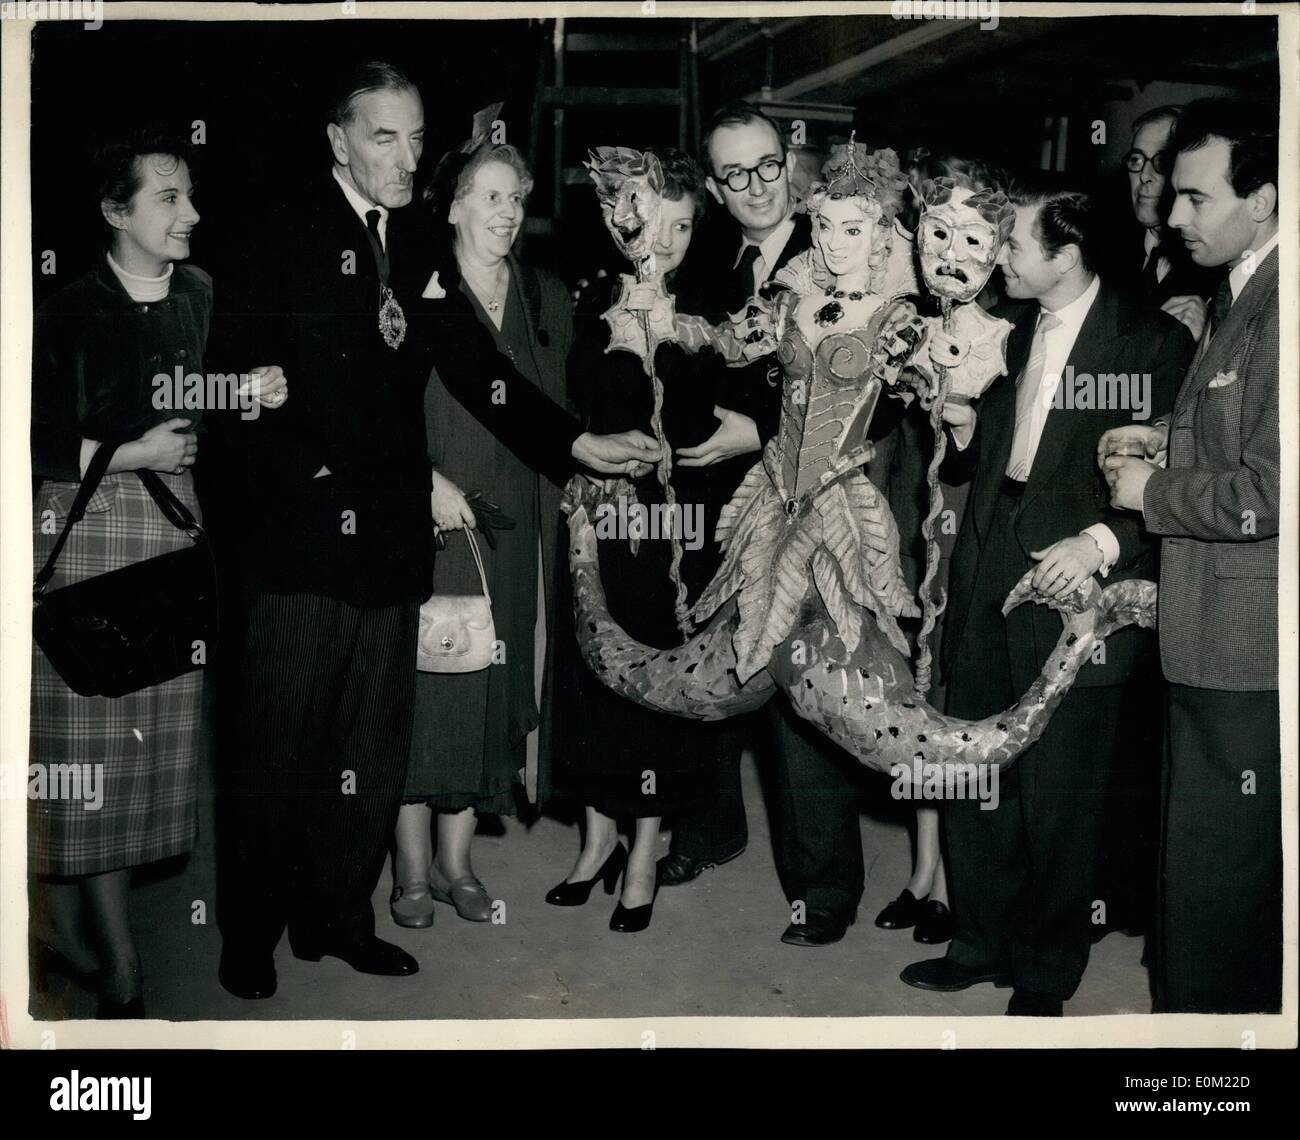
[(713, 948)]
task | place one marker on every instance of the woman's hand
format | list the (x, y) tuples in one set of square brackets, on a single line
[(737, 434), (450, 510), (170, 446)]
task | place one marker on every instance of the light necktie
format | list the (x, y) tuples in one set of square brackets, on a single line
[(1028, 394)]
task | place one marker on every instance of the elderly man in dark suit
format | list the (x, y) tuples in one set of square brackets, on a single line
[(1211, 491), (1083, 358), (338, 532), (1162, 272)]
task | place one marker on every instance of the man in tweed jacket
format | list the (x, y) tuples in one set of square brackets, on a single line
[(1216, 507)]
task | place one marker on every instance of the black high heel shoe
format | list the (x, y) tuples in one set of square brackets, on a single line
[(575, 894), (634, 919)]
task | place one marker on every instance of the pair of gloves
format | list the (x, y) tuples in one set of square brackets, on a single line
[(487, 515)]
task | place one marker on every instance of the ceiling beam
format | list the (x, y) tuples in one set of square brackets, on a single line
[(846, 69)]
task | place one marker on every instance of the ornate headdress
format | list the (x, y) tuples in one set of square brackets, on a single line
[(871, 176), (991, 205)]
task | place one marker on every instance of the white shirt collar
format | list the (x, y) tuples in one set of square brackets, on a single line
[(1072, 315), (1240, 273), (362, 206), (1150, 238), (769, 249)]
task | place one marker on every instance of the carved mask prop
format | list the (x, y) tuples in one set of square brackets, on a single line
[(629, 185), (960, 234)]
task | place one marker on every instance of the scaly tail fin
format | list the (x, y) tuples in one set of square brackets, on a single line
[(697, 679)]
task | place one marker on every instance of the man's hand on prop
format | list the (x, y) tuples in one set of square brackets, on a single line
[(1191, 310), (623, 453), (1064, 566), (736, 435), (1127, 476), (267, 385)]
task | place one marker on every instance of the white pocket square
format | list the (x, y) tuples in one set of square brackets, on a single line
[(1223, 379), (433, 291)]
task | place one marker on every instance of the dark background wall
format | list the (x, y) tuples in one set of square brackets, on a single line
[(1012, 95)]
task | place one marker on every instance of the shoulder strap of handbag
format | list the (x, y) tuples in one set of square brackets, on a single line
[(172, 508), (478, 561)]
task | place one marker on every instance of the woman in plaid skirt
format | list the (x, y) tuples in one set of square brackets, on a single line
[(114, 778)]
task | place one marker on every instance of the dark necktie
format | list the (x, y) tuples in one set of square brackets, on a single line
[(1220, 305), (1150, 279), (381, 258), (743, 279)]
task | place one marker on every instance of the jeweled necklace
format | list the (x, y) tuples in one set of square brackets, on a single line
[(832, 312)]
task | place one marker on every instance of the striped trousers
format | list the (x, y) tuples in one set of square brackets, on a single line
[(320, 735)]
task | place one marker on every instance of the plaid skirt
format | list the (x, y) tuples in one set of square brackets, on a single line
[(112, 779)]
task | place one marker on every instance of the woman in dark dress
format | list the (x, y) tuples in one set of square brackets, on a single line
[(475, 732), (623, 761), (98, 345)]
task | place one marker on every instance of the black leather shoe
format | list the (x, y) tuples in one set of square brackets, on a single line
[(935, 924), (674, 869), (1031, 1003), (821, 928), (247, 976), (945, 974), (370, 955), (903, 912)]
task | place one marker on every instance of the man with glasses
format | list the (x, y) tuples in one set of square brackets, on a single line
[(1163, 273), (817, 840)]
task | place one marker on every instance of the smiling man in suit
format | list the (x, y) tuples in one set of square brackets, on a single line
[(1216, 508), (1024, 874)]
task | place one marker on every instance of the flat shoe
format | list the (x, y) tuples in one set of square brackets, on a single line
[(468, 896), (411, 905)]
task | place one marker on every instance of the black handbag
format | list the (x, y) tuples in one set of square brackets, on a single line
[(137, 626)]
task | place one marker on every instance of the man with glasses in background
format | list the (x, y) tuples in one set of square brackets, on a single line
[(1163, 273), (817, 840)]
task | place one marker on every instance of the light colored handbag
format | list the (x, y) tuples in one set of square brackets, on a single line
[(456, 630)]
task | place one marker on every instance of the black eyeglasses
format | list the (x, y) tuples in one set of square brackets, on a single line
[(738, 180), (1135, 161)]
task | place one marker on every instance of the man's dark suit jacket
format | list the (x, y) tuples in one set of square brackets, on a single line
[(1066, 491), (704, 285), (309, 302), (1184, 279)]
